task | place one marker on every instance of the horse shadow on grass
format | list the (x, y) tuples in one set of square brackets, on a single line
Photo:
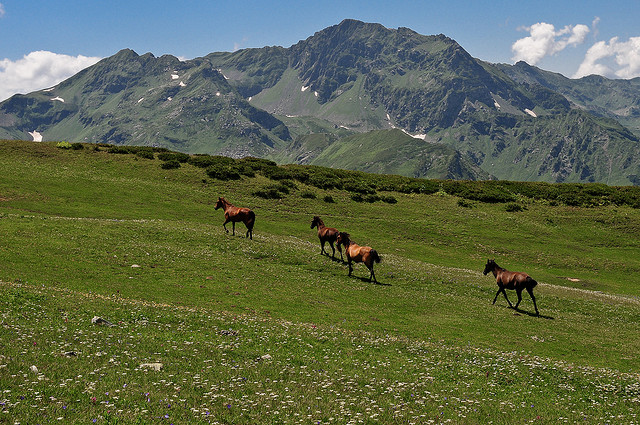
[(367, 280), (336, 259), (518, 312)]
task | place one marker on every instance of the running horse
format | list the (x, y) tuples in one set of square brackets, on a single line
[(358, 254), (234, 214), (511, 280), (326, 234)]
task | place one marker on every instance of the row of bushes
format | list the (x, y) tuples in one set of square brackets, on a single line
[(364, 187), (66, 145)]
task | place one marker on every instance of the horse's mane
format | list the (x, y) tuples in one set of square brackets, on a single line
[(346, 238), (495, 265)]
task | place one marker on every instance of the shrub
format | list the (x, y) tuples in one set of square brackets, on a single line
[(464, 203), (357, 197), (223, 172), (169, 165), (324, 182), (268, 194), (246, 170), (77, 146), (202, 161), (389, 199), (63, 145), (174, 156), (256, 164), (288, 184), (274, 172), (514, 207), (119, 149), (145, 153), (308, 194), (358, 187), (329, 199), (282, 188), (298, 173), (272, 191)]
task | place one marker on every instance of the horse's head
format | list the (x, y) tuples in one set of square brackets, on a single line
[(316, 221), (343, 239), (491, 264), (220, 203)]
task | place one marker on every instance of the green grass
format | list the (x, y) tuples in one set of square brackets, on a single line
[(268, 331)]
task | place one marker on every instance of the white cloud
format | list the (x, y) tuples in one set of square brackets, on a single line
[(594, 26), (238, 45), (544, 40), (38, 70), (614, 59), (1, 10)]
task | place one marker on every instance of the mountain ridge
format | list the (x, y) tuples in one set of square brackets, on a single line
[(347, 81)]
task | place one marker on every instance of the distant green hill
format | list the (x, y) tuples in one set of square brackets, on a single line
[(383, 152)]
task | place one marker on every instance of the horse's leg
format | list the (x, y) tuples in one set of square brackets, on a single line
[(501, 289), (333, 250), (506, 298), (225, 225), (519, 293), (497, 293), (322, 241), (349, 264), (530, 291), (233, 224), (373, 275)]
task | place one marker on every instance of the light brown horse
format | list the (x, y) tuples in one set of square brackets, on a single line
[(511, 280), (234, 214), (359, 254), (326, 234)]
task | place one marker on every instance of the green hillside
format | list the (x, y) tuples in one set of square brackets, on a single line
[(383, 152), (268, 330)]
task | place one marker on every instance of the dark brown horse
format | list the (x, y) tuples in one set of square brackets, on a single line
[(359, 254), (511, 280), (234, 214), (326, 234)]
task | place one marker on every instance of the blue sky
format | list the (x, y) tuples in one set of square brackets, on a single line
[(45, 41)]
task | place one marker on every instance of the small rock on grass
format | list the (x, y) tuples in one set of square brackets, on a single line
[(100, 321), (152, 366)]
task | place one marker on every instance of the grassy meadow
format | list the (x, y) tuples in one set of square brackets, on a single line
[(270, 331)]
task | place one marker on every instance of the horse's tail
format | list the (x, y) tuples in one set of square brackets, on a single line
[(251, 221), (374, 256)]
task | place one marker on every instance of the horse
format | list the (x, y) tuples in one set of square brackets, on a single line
[(511, 280), (326, 234), (234, 214), (359, 254)]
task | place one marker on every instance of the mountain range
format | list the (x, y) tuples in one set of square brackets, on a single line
[(355, 95)]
